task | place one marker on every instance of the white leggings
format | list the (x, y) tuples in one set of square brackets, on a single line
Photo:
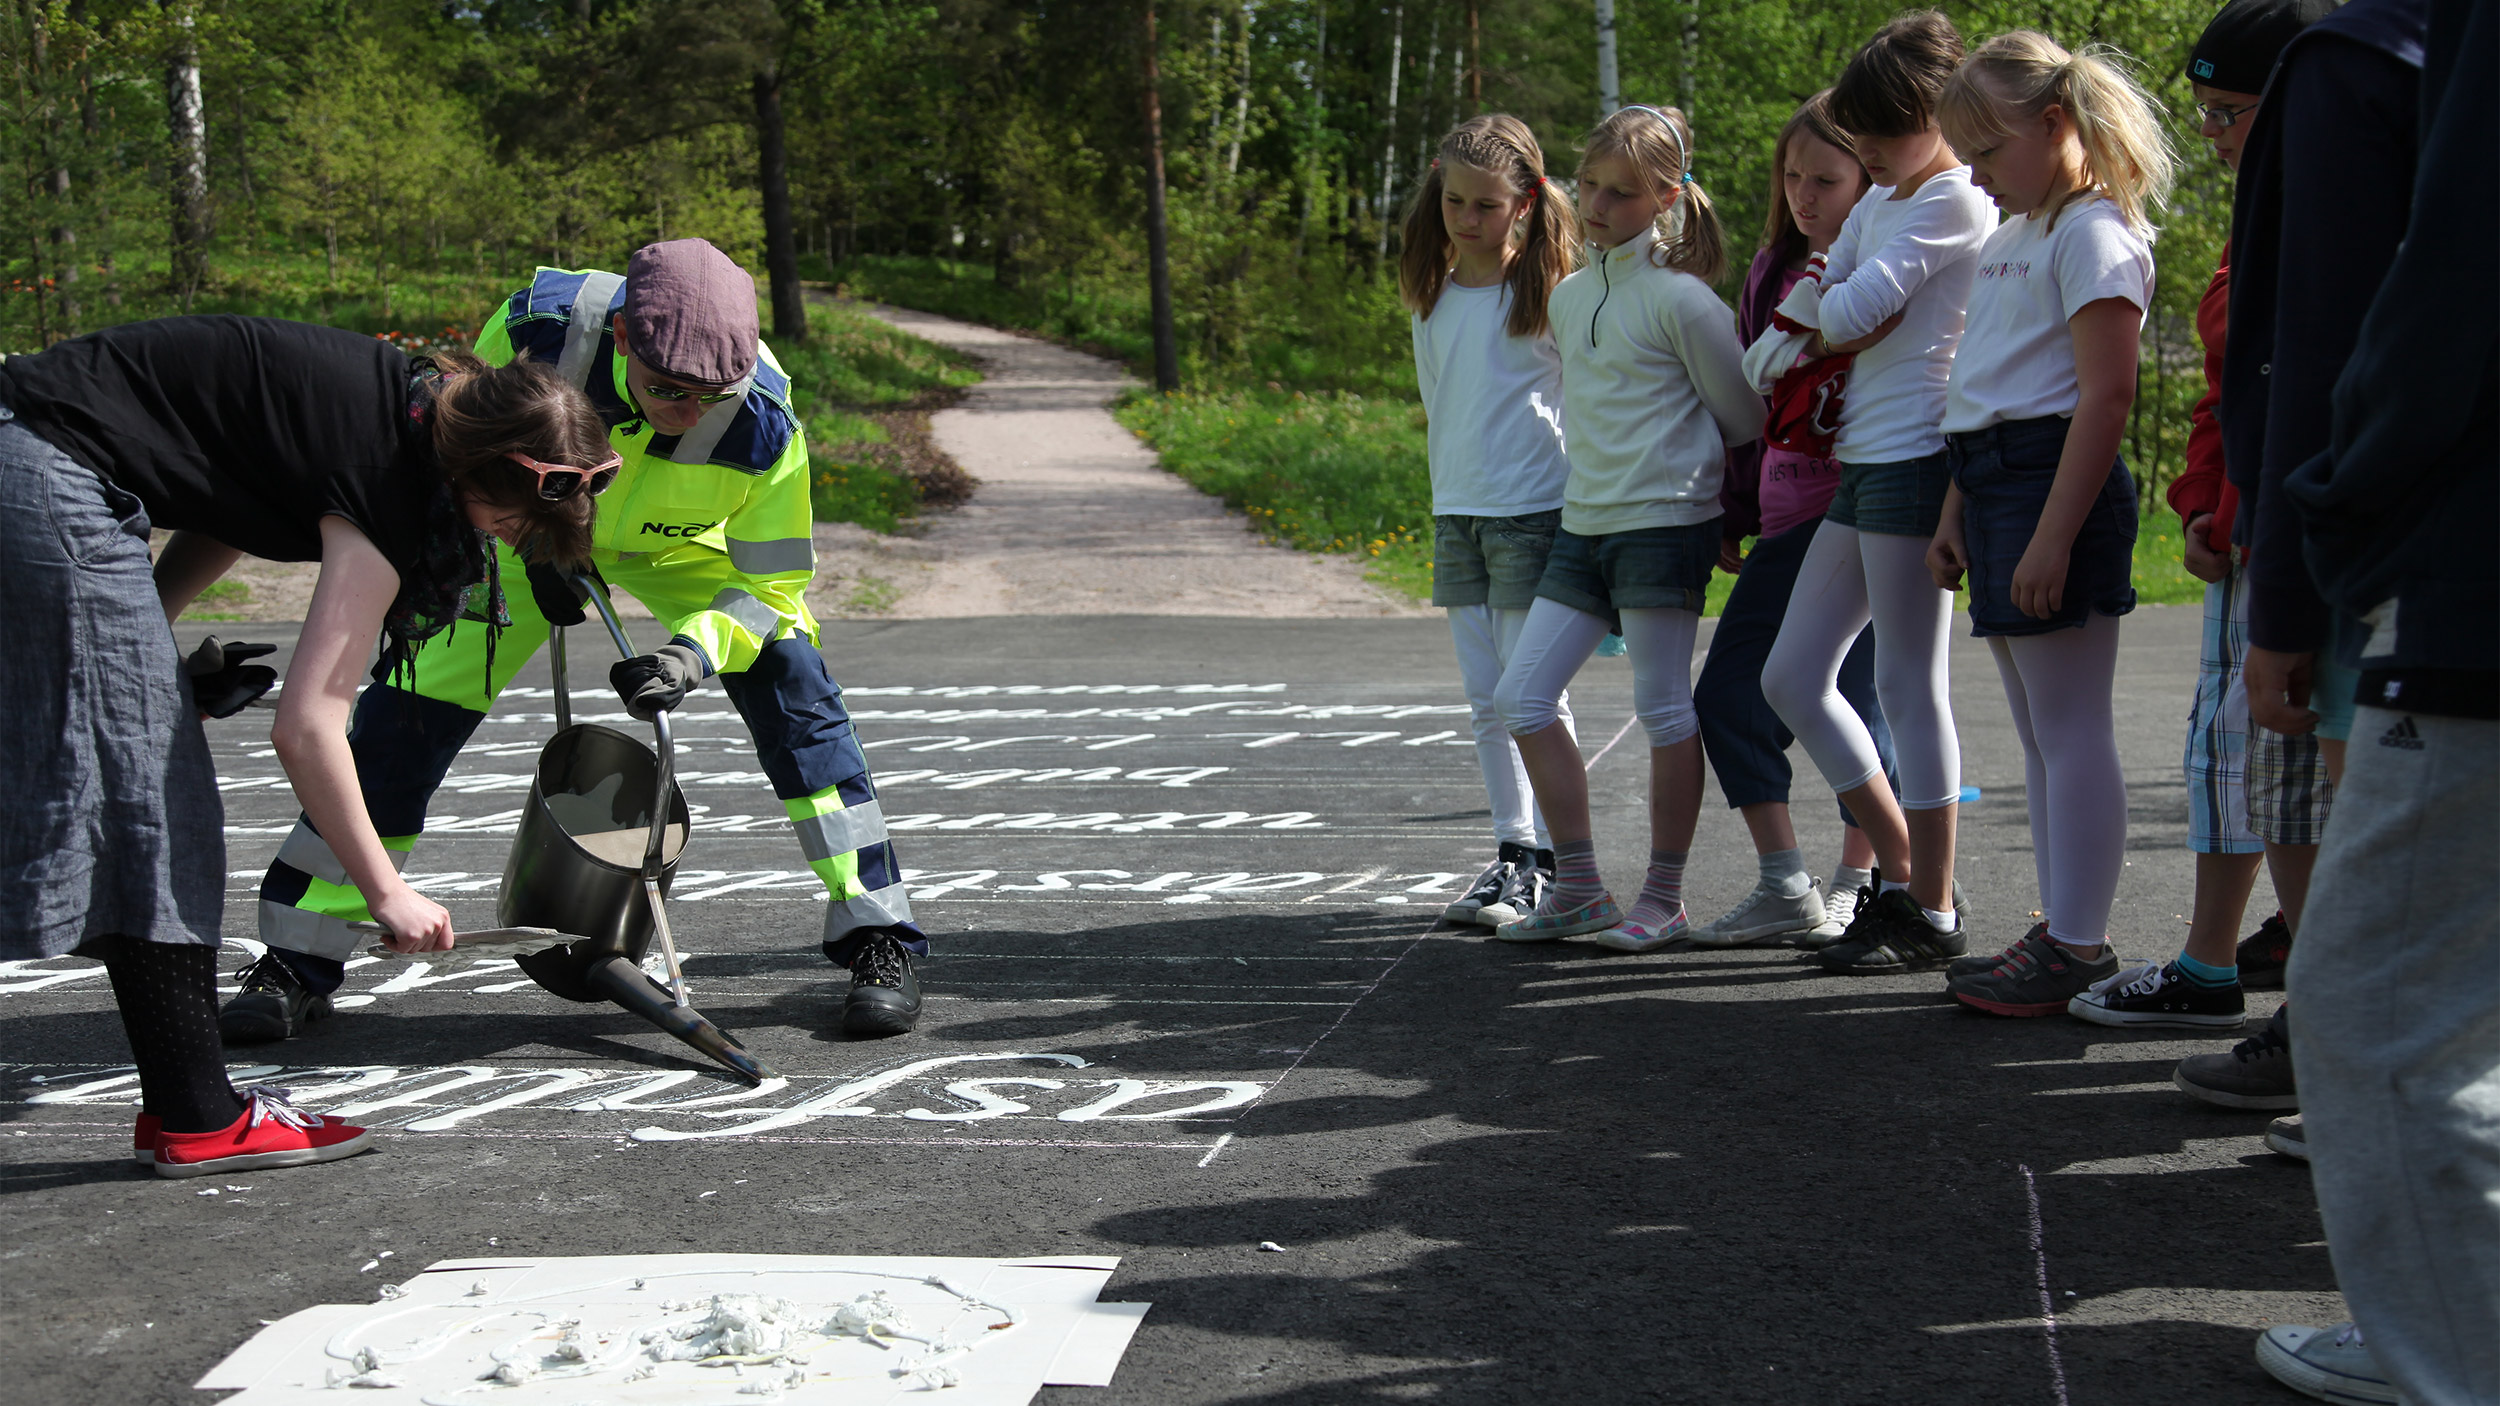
[(1485, 639), (1848, 577), (1559, 639), (2058, 685)]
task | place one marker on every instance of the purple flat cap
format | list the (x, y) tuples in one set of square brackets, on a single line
[(690, 313)]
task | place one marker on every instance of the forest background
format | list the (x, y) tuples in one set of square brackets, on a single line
[(399, 166)]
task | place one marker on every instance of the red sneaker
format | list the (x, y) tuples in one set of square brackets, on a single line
[(271, 1133), (144, 1137)]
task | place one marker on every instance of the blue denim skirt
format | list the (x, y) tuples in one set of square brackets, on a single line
[(1647, 568), (2004, 472)]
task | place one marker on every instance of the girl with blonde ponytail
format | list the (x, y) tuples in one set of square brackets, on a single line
[(1487, 238), (1655, 393), (2042, 515)]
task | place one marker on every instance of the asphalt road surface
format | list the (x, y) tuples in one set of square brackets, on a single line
[(1190, 994)]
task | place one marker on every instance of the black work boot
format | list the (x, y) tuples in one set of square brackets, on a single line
[(274, 1005), (885, 995)]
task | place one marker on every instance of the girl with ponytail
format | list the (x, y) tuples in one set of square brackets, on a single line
[(2042, 514), (1655, 394), (1487, 238)]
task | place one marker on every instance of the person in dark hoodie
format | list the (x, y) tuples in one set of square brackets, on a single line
[(2397, 974), (2325, 192), (2326, 183)]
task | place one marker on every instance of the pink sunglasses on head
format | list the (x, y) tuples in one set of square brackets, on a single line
[(557, 482)]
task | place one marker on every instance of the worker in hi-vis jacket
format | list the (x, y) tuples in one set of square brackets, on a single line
[(707, 522)]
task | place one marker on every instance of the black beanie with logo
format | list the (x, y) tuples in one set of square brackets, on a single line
[(2237, 51)]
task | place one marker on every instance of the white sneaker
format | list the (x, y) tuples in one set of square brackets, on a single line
[(2331, 1364), (2289, 1137), (1840, 908), (1766, 917)]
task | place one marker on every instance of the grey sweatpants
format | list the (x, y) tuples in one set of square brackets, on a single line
[(2397, 980)]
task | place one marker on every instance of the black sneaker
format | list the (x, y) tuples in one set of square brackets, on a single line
[(1892, 936), (2160, 995), (885, 995), (1486, 889), (2255, 1073), (1522, 890), (2263, 954), (273, 1005)]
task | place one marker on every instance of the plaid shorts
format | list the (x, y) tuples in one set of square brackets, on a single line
[(2217, 737), (2288, 793)]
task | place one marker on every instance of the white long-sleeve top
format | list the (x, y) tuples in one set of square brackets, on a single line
[(1915, 256), (1654, 390), (1493, 407)]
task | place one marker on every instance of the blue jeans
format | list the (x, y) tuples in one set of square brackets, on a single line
[(1745, 740)]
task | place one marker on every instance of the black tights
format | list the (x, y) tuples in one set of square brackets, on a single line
[(168, 997)]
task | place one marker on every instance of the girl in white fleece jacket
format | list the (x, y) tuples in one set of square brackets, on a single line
[(1654, 392)]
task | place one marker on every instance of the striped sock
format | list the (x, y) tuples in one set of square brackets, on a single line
[(1575, 876), (1662, 892)]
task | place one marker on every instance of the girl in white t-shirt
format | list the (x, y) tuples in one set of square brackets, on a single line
[(1893, 292), (1656, 392), (1487, 237), (2042, 515)]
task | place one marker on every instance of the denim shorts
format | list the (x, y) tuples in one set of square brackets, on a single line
[(1493, 561), (1899, 499), (1647, 568), (2004, 472)]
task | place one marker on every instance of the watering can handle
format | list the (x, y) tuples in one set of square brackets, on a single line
[(607, 615), (564, 691)]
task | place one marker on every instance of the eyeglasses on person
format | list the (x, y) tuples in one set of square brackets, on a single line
[(2218, 115), (672, 395), (557, 482)]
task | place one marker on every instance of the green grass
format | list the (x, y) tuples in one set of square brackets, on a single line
[(851, 361), (850, 365), (2161, 576), (1325, 473), (219, 600)]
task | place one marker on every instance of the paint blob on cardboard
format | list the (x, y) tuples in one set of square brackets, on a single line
[(676, 1330)]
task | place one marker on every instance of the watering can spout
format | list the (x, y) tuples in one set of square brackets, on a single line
[(622, 981)]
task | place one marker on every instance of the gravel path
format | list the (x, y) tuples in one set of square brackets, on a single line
[(1073, 517)]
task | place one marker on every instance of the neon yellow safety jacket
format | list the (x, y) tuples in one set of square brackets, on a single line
[(711, 529)]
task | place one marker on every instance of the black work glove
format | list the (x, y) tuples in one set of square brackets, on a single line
[(222, 683), (560, 597), (656, 682)]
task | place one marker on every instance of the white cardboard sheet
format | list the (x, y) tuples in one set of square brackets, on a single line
[(580, 1330)]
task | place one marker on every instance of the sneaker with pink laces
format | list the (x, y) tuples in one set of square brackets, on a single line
[(270, 1133)]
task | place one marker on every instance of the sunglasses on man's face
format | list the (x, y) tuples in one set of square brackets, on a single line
[(672, 395), (557, 482)]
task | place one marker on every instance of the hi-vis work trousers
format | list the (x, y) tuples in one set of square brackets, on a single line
[(405, 740)]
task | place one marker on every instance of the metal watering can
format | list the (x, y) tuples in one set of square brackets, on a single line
[(591, 864)]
